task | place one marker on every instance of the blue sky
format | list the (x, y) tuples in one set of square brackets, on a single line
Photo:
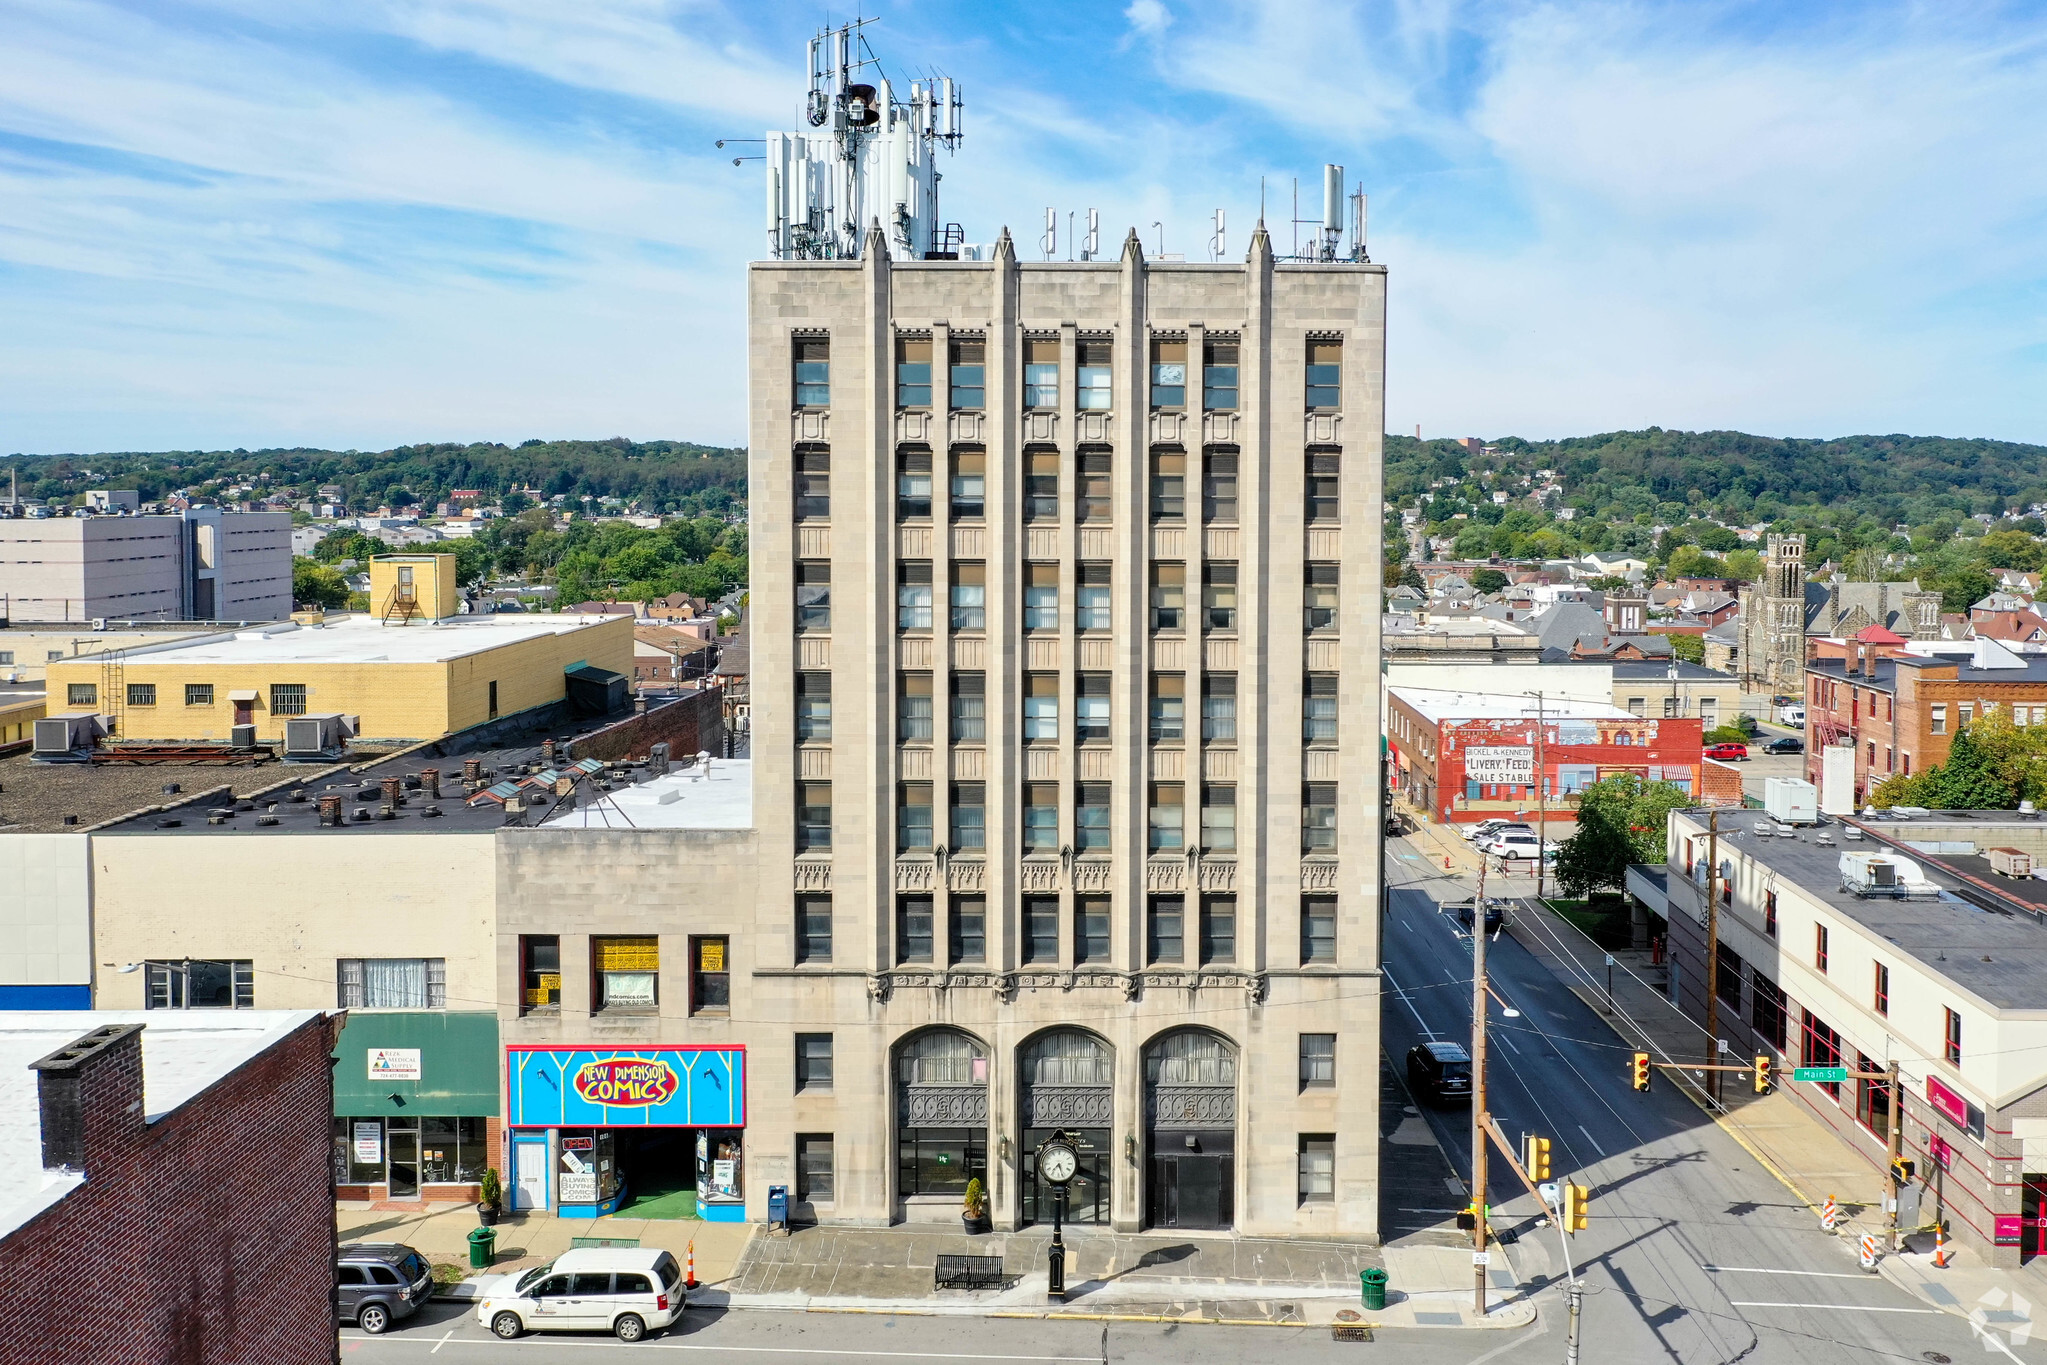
[(364, 222)]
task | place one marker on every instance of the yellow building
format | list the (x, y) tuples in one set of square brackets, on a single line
[(408, 588), (19, 712), (408, 679)]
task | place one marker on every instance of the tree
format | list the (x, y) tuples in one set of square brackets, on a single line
[(348, 543), (1747, 565), (1969, 780), (1488, 580), (2009, 549), (1964, 588), (1636, 806), (1718, 539), (1596, 857), (1690, 649), (315, 585)]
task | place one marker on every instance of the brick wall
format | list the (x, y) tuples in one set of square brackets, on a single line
[(206, 1238), (692, 722)]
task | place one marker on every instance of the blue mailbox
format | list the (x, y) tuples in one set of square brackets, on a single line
[(778, 1206)]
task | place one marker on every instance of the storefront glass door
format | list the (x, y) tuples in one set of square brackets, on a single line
[(403, 1151)]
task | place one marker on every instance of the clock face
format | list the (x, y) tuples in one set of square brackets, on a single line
[(1057, 1164)]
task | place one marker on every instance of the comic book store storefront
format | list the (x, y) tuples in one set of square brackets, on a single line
[(659, 1132)]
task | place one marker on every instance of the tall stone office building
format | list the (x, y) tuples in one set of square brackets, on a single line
[(1065, 641)]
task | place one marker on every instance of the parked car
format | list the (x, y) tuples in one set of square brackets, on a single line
[(1474, 833), (1490, 830), (1466, 911), (379, 1283), (1396, 825), (1785, 744), (1518, 841), (1729, 753), (1439, 1071), (624, 1291)]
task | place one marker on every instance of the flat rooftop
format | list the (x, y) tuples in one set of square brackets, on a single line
[(1436, 704), (183, 1052), (718, 797), (363, 639)]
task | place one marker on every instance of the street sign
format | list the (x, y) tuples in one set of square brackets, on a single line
[(1481, 1258), (1822, 1074)]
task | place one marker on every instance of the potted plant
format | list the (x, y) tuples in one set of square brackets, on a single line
[(974, 1208), (489, 1191)]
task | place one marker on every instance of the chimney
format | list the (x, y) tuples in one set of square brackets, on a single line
[(394, 791), (90, 1091), (547, 752), (430, 783), (472, 770), (330, 810)]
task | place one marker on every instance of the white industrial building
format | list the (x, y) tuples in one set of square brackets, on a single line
[(204, 564)]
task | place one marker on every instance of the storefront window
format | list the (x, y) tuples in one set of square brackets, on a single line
[(541, 965), (587, 1171), (627, 972), (942, 1160), (451, 1151)]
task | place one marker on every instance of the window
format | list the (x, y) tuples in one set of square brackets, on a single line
[(1768, 1013), (1091, 929), (969, 708), (1821, 1046), (1219, 706), (913, 595), (1770, 913), (813, 372), (1097, 496), (1318, 709), (813, 1061), (1318, 1060), (200, 984), (970, 596), (1938, 716), (1218, 929), (913, 817), (1091, 709), (1325, 374), (1219, 594), (814, 929), (1325, 485), (1091, 818), (813, 706), (1638, 706), (1321, 597), (1041, 485), (1041, 706), (1318, 817), (1670, 708), (626, 972), (913, 929), (913, 708), (1882, 999), (1219, 819), (1168, 374), (969, 483), (142, 694), (969, 374), (1219, 487), (814, 1175), (969, 929), (1041, 817), (1727, 977), (813, 817), (1041, 597), (1318, 929), (969, 817), (493, 698), (1165, 929), (1091, 392), (913, 372), (1952, 1037), (913, 484), (1219, 376), (1168, 817), (52, 655), (287, 699), (6, 656), (1965, 712), (1318, 1168), (1092, 601), (814, 594), (540, 971), (391, 983), (1041, 373), (82, 694), (1819, 946), (1169, 597), (813, 484), (1041, 929), (1168, 485), (1168, 707)]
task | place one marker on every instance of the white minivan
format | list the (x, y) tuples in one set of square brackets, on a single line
[(626, 1291)]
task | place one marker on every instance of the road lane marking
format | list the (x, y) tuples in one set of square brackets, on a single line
[(1836, 1307), (1428, 1033), (442, 1342), (1591, 1139), (1764, 1270)]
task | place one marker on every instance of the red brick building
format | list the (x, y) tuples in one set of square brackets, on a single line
[(1465, 756), (164, 1187)]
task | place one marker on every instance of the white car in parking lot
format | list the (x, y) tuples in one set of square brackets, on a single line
[(1517, 842), (627, 1292), (1486, 829)]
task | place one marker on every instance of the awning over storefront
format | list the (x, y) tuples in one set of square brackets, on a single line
[(441, 1062), (625, 1087)]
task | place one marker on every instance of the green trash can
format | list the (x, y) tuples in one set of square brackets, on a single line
[(483, 1247), (1371, 1287)]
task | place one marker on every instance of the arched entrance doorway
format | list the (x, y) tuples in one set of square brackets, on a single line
[(1190, 1118), (941, 1119), (1068, 1080)]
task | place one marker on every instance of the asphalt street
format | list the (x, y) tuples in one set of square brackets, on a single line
[(1695, 1253)]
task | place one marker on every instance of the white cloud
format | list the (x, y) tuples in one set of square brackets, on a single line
[(1149, 17)]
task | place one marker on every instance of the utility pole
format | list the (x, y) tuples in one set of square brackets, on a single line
[(1541, 792), (1577, 1296), (1713, 952), (1479, 1117), (1896, 1144)]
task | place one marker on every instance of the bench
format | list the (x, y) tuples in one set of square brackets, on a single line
[(968, 1272)]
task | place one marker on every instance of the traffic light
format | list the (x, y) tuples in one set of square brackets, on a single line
[(1901, 1172), (1576, 1200), (1641, 1071), (1763, 1081), (1535, 1157)]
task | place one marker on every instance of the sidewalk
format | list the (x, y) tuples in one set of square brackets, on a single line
[(441, 1234)]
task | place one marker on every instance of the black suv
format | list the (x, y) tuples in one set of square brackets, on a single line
[(1495, 913), (1439, 1071), (377, 1283), (1785, 744)]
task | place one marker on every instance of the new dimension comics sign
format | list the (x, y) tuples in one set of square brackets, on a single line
[(626, 1087)]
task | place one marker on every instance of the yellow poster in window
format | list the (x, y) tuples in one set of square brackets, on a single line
[(627, 955), (711, 955)]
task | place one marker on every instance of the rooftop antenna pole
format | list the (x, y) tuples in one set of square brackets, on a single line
[(1332, 212), (1297, 219), (1069, 234), (1216, 243), (1093, 248), (1049, 243), (1162, 236)]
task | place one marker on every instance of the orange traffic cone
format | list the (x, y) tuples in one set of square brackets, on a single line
[(1940, 1246), (691, 1281)]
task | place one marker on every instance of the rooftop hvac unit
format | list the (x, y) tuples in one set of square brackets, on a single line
[(1884, 875), (2010, 862), (68, 739), (1790, 801), (317, 739)]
